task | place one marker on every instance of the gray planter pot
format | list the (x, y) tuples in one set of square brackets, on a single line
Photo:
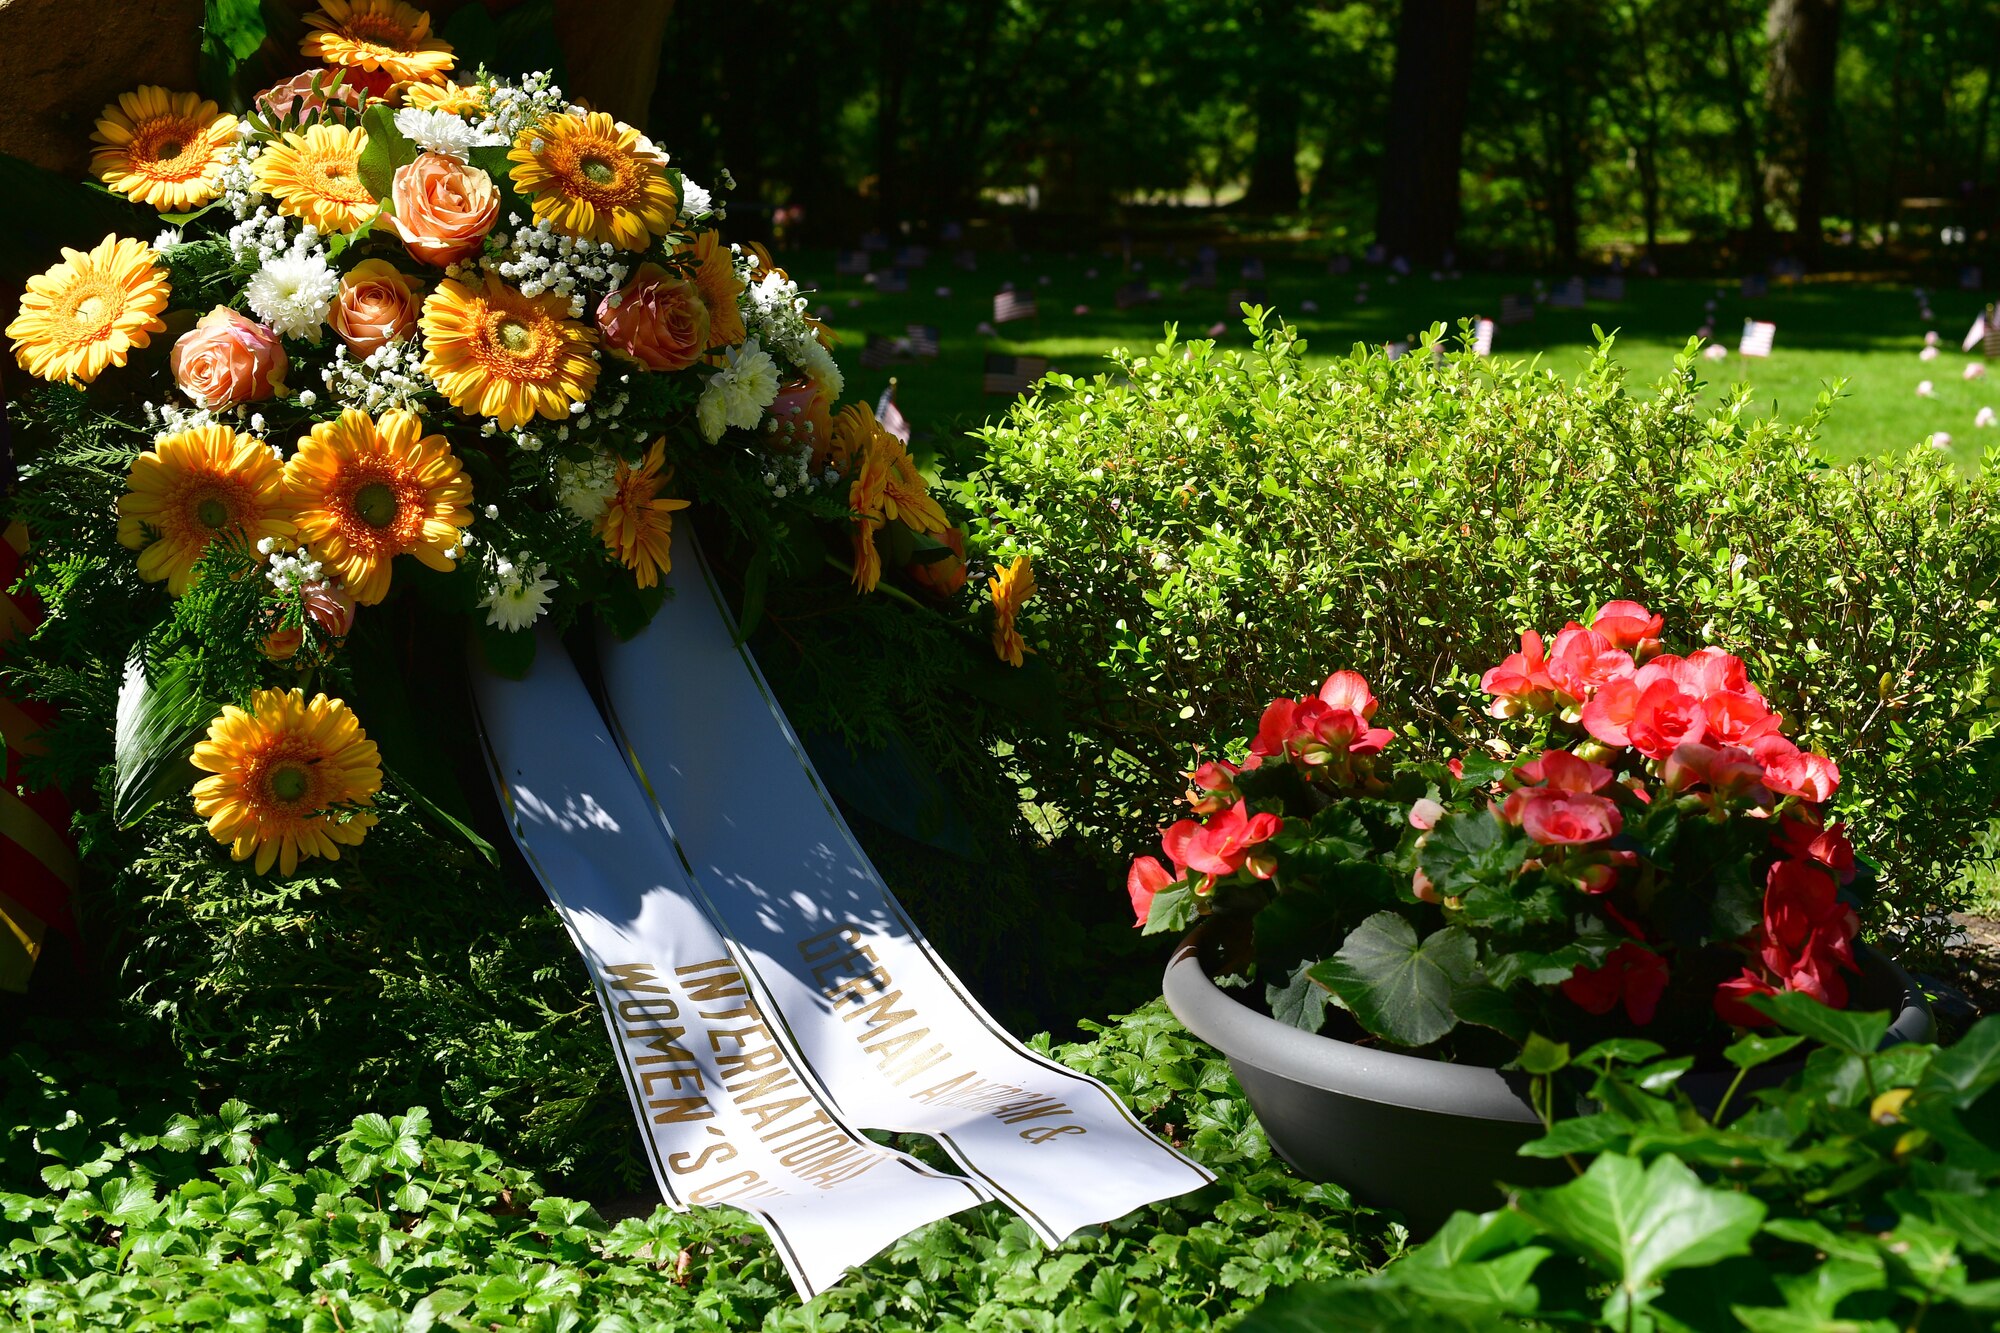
[(1423, 1137)]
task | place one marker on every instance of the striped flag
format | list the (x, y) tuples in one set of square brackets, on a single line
[(1970, 278), (890, 416), (1009, 306), (1253, 270), (1606, 289), (1395, 351), (923, 340), (1753, 287), (851, 263), (1757, 338), (912, 256), (1516, 309), (1242, 296), (1482, 337), (1376, 253), (893, 281), (1401, 266), (1567, 295), (1010, 375), (1202, 277), (874, 240), (951, 231), (38, 867), (1976, 335), (1338, 266), (1991, 349), (967, 260), (879, 353)]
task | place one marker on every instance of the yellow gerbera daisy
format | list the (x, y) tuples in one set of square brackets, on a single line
[(192, 487), (587, 176), (315, 175), (906, 497), (90, 311), (1012, 587), (637, 524), (287, 777), (377, 34), (867, 494), (162, 149), (458, 99), (365, 491), (715, 276), (493, 351)]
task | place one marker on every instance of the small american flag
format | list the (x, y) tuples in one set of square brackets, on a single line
[(851, 263), (890, 416), (1976, 336), (1482, 337), (1376, 253), (1567, 295), (1338, 266), (912, 256), (1135, 293), (1203, 277), (880, 353), (1969, 278), (1010, 375), (1395, 351), (874, 240), (1757, 337), (893, 281), (1516, 309), (1009, 306), (966, 259), (1253, 270), (1753, 287), (923, 340), (1606, 289), (1400, 265), (1992, 338), (951, 231)]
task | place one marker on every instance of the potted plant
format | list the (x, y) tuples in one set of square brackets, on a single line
[(1637, 861)]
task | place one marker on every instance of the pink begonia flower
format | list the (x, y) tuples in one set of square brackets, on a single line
[(1584, 661), (1567, 819), (1521, 682)]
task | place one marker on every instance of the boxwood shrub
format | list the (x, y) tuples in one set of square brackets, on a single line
[(1214, 526)]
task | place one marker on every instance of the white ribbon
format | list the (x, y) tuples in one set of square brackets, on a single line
[(897, 1040), (730, 1112)]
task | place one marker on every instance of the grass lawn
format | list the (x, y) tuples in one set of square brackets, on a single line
[(1869, 334)]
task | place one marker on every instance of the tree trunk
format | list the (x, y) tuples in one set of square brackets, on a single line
[(1416, 211), (1804, 40), (1274, 164)]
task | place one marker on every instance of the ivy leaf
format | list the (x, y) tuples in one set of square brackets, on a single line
[(1858, 1034), (1637, 1224), (1399, 989)]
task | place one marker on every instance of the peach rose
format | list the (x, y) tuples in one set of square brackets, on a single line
[(295, 97), (444, 208), (658, 320), (800, 410), (227, 359), (376, 304)]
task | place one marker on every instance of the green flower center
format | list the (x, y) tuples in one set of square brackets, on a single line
[(170, 149), (599, 171), (514, 335), (376, 503), (290, 784), (213, 514)]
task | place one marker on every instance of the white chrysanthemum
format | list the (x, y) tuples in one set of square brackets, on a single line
[(821, 368), (737, 394), (292, 293), (167, 239), (582, 488), (442, 132), (695, 200), (518, 597)]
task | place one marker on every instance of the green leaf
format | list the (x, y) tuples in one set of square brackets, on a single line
[(1964, 1071), (1857, 1034), (508, 653), (1539, 1055), (1621, 1050), (756, 581), (1399, 989), (1300, 1002), (1975, 1221), (387, 150), (1585, 1134), (1751, 1051), (895, 785), (1466, 850), (1173, 911), (1636, 1224), (158, 723), (1490, 1008)]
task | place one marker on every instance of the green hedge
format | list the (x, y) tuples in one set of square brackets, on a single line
[(120, 1210), (1214, 527)]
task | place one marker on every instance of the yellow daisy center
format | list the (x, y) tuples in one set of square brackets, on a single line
[(378, 508), (599, 171), (288, 782), (88, 309), (376, 504), (517, 345), (379, 31)]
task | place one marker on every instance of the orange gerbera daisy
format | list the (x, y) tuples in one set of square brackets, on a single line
[(377, 34), (315, 175), (458, 99), (587, 176), (1012, 587), (493, 351), (195, 486), (365, 491), (90, 311), (162, 149), (288, 777), (867, 495), (715, 276), (637, 525)]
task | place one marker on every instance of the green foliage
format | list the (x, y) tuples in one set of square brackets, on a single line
[(1212, 528), (122, 1215), (1862, 1193)]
